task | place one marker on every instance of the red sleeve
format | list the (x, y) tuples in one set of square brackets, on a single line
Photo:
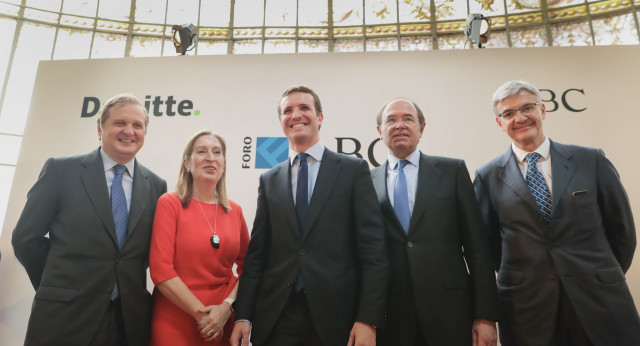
[(244, 241), (163, 238)]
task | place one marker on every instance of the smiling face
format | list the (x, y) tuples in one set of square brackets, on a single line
[(525, 130), (123, 132), (300, 120), (400, 129), (207, 160)]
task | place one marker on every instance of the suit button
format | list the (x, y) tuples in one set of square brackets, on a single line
[(290, 283), (553, 276), (410, 244), (302, 252)]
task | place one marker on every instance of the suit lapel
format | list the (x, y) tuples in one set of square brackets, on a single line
[(139, 196), (562, 171), (511, 175), (283, 192), (95, 184), (428, 179), (327, 176), (379, 177)]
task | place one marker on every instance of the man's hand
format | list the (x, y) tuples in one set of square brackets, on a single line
[(240, 333), (362, 334), (484, 333)]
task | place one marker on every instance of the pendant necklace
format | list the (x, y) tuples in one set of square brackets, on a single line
[(214, 240)]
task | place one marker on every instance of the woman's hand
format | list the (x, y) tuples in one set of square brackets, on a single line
[(212, 327)]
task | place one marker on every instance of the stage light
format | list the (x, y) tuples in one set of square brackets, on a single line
[(477, 29), (184, 37)]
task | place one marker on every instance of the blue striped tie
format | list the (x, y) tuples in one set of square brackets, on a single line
[(538, 187), (120, 211)]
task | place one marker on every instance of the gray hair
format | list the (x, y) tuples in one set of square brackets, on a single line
[(512, 88)]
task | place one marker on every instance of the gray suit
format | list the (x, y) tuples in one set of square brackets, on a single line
[(588, 247), (75, 268)]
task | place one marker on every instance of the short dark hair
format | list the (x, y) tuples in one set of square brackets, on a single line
[(121, 99), (301, 89)]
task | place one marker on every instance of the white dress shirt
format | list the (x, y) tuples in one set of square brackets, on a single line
[(544, 163)]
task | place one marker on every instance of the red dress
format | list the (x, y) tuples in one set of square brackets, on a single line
[(180, 247)]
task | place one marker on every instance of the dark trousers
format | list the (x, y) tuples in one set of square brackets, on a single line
[(569, 330), (294, 326), (111, 329)]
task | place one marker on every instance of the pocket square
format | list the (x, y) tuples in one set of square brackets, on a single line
[(575, 193)]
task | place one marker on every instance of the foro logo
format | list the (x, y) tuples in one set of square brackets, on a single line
[(156, 107)]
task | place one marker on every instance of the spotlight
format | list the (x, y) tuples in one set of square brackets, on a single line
[(477, 29), (184, 37)]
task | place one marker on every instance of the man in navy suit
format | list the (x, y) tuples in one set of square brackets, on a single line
[(316, 266), (561, 231), (442, 288), (90, 280)]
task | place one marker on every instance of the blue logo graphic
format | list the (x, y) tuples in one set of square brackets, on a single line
[(270, 151)]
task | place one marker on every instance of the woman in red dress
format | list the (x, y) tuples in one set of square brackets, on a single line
[(198, 236)]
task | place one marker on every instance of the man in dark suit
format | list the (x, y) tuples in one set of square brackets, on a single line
[(433, 228), (90, 271), (313, 272), (561, 232)]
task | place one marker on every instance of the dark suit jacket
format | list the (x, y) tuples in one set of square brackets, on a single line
[(588, 247), (341, 254), (75, 268), (429, 283)]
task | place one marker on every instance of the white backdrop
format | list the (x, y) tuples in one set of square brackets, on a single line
[(237, 96)]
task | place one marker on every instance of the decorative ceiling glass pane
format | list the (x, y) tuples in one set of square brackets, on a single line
[(108, 45), (348, 46), (215, 13), (7, 28), (10, 148), (450, 9), (518, 6), (182, 12), (616, 30), (312, 13), (212, 47), (77, 22), (34, 44), (41, 16), (50, 5), (487, 7), (115, 9), (247, 46), (530, 37), (497, 40), (80, 7), (248, 13), (150, 11), (381, 12), (280, 13), (72, 44), (563, 3), (571, 34), (313, 46), (347, 12), (414, 11), (279, 46), (416, 43), (17, 2), (8, 9), (145, 46), (382, 45), (452, 41)]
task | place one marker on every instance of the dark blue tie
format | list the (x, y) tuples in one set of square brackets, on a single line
[(302, 190), (120, 211), (302, 202), (538, 186), (401, 197)]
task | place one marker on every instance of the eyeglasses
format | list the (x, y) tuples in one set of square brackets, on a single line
[(407, 121), (527, 109)]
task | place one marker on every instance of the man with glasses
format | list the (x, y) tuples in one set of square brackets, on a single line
[(561, 231), (442, 288)]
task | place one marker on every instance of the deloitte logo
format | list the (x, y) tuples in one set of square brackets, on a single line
[(156, 106)]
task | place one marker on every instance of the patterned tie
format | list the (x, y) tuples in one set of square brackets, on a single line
[(538, 186), (401, 197), (120, 211), (302, 203)]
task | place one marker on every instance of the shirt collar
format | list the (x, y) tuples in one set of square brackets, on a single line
[(316, 151), (108, 163), (543, 150), (414, 158)]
